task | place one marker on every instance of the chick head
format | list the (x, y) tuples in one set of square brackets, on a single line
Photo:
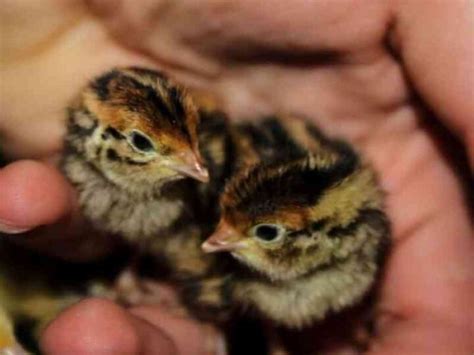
[(291, 218), (138, 127)]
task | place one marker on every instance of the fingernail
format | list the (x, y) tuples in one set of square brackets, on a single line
[(221, 346), (15, 350), (7, 228), (216, 344)]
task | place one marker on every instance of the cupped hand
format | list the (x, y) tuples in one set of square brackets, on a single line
[(394, 77)]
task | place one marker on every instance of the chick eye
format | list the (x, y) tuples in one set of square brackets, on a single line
[(268, 232), (141, 142)]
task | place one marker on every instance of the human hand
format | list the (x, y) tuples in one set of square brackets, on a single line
[(97, 326), (366, 71)]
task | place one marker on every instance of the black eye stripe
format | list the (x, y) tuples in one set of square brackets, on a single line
[(113, 155), (110, 131), (130, 161), (365, 216), (318, 225), (296, 234)]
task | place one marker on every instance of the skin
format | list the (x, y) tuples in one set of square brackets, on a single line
[(261, 58)]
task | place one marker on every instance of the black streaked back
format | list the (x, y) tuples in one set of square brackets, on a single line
[(270, 140)]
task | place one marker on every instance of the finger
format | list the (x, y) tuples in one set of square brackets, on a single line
[(32, 194), (189, 336), (445, 28), (427, 287), (36, 200), (422, 336), (97, 326)]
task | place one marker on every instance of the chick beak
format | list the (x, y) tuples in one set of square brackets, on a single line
[(225, 238), (190, 164)]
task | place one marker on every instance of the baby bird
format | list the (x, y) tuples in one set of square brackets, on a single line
[(131, 151), (131, 142), (303, 236)]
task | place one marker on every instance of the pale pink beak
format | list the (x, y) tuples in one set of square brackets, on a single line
[(191, 164), (225, 238)]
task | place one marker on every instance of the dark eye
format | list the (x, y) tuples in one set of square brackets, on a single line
[(268, 232), (141, 142)]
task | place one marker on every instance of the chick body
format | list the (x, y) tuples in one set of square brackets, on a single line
[(289, 178)]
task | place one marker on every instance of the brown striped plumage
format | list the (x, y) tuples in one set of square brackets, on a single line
[(303, 223), (131, 145), (132, 153), (301, 215), (132, 138)]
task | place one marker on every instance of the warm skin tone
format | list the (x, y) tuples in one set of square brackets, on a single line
[(326, 59)]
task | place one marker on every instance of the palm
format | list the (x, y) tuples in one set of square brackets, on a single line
[(333, 64)]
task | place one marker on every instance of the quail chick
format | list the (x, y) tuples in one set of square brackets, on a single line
[(130, 147), (131, 142), (229, 150), (313, 231), (303, 236)]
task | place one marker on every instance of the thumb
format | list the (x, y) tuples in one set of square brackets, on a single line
[(37, 201), (32, 194)]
